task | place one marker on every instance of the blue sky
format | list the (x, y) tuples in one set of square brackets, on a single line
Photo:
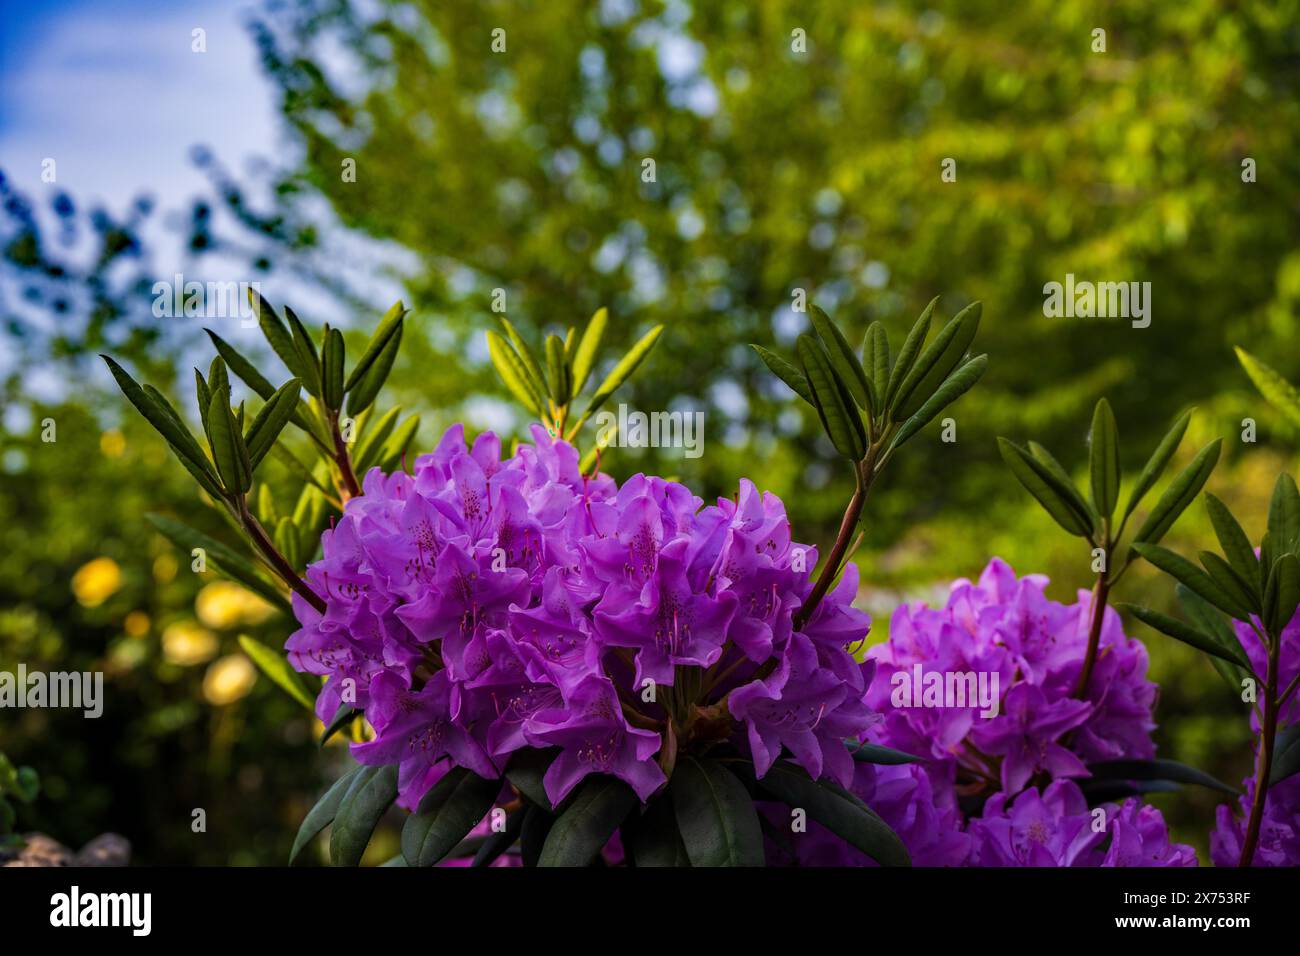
[(112, 92)]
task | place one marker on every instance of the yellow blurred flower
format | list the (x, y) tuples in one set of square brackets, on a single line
[(112, 443), (164, 568), (224, 604), (136, 624), (228, 679), (96, 581), (187, 643)]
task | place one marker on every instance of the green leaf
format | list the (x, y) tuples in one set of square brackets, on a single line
[(270, 421), (1187, 634), (526, 771), (226, 559), (322, 814), (1170, 770), (333, 354), (1180, 493), (286, 541), (389, 328), (875, 359), (532, 370), (557, 370), (228, 445), (515, 376), (957, 385), (373, 437), (875, 753), (1182, 570), (936, 363), (305, 349), (842, 359), (908, 353), (1282, 593), (165, 420), (786, 373), (1284, 515), (1277, 390), (344, 716), (276, 666), (247, 372), (26, 785), (1286, 755), (1236, 546), (1231, 582), (1155, 465), (532, 836), (653, 839), (1059, 498), (396, 447), (836, 809), (715, 815), (456, 804), (1211, 622), (1103, 459), (367, 799), (277, 336), (295, 465), (582, 830), (839, 417), (584, 359), (362, 394), (623, 370)]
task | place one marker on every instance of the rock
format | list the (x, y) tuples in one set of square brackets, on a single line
[(39, 850), (107, 849)]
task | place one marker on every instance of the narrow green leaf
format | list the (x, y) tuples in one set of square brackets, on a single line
[(397, 446), (1170, 770), (786, 373), (227, 560), (557, 370), (362, 394), (715, 815), (1210, 621), (957, 385), (389, 328), (838, 810), (1187, 634), (242, 367), (653, 838), (305, 349), (322, 814), (1231, 582), (227, 445), (584, 360), (455, 805), (1284, 515), (1155, 465), (343, 717), (332, 360), (513, 373), (1277, 390), (839, 417), (1282, 593), (498, 841), (367, 799), (938, 360), (277, 336), (594, 814), (846, 364), (1286, 755), (270, 421), (526, 771), (875, 753), (1180, 493), (1182, 570), (1059, 499), (1236, 546), (908, 353), (532, 370), (373, 437), (623, 370), (875, 359), (276, 666), (1103, 459)]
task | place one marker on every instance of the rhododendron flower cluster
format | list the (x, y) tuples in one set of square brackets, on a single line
[(1279, 833), (1040, 735), (481, 605)]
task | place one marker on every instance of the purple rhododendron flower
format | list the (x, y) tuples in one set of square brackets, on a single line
[(482, 605), (1029, 649), (1057, 828)]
